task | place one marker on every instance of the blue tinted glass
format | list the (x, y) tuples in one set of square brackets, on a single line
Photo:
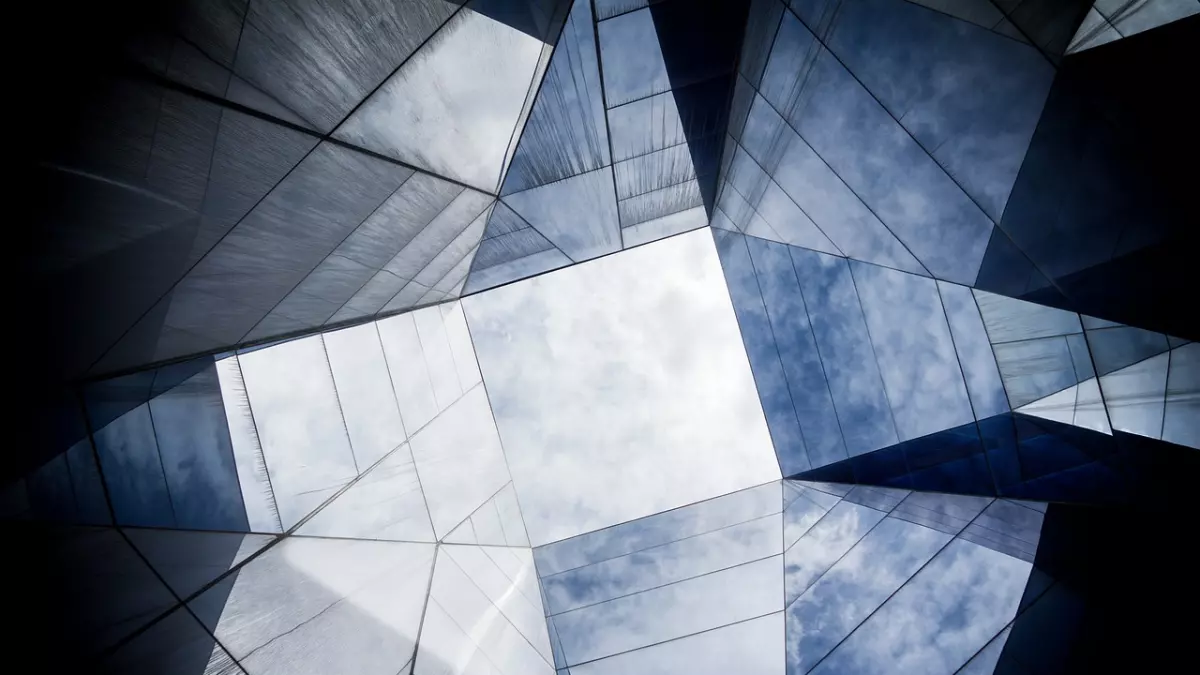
[(845, 347)]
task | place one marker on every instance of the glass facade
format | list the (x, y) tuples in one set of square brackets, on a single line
[(606, 337)]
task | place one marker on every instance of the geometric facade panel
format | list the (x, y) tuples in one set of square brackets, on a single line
[(850, 358)]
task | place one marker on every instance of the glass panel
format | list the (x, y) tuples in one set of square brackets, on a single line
[(974, 353), (198, 462), (1129, 20), (497, 522), (459, 460), (1135, 396), (806, 510), (658, 566), (940, 618), (633, 63), (408, 370), (187, 561), (286, 236), (365, 392), (299, 422), (1115, 348), (878, 160), (321, 606), (1009, 320), (465, 631), (947, 513), (659, 203), (435, 347), (654, 332), (846, 352), (759, 338), (913, 347), (578, 215), (855, 587), (1181, 418), (897, 50), (385, 503), (673, 611), (321, 59), (1008, 527), (787, 223), (646, 125), (805, 376), (111, 591), (1034, 369), (660, 228), (525, 614), (398, 227), (565, 134), (177, 644), (827, 541), (984, 663), (133, 471), (258, 497), (454, 106), (754, 646), (91, 506), (878, 498), (661, 528), (816, 189)]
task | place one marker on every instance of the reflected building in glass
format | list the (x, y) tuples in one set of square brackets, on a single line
[(607, 337)]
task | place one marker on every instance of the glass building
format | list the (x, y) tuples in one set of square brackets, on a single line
[(606, 337)]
